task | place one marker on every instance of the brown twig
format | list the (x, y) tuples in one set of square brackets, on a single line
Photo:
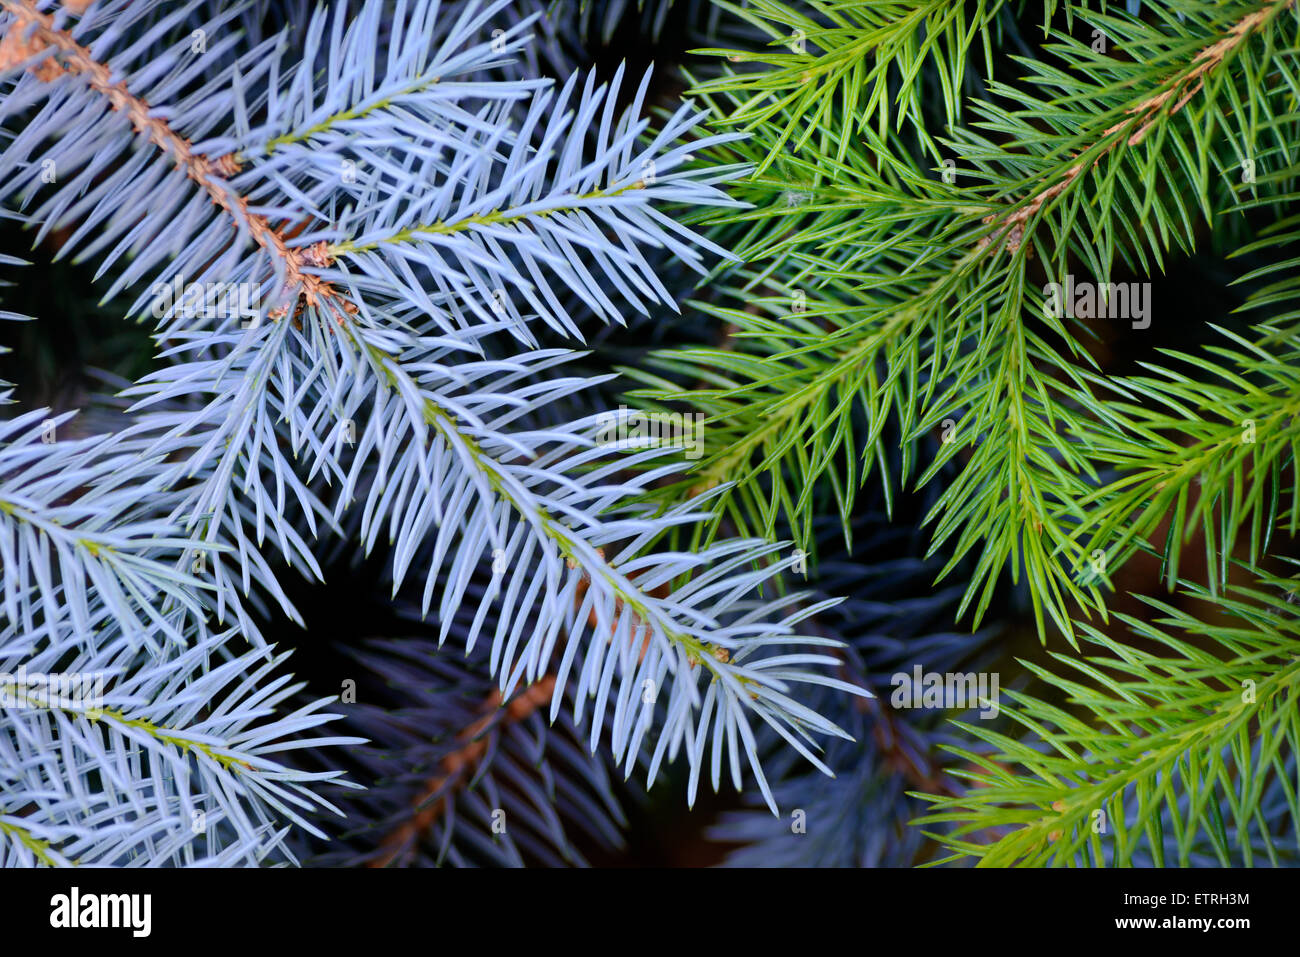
[(456, 765), (33, 31), (431, 803), (1012, 228)]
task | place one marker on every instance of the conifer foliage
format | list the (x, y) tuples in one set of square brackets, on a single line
[(383, 207), (963, 221), (418, 277)]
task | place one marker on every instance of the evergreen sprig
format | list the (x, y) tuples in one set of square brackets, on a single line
[(887, 292), (444, 232), (895, 286), (390, 214), (1179, 755)]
